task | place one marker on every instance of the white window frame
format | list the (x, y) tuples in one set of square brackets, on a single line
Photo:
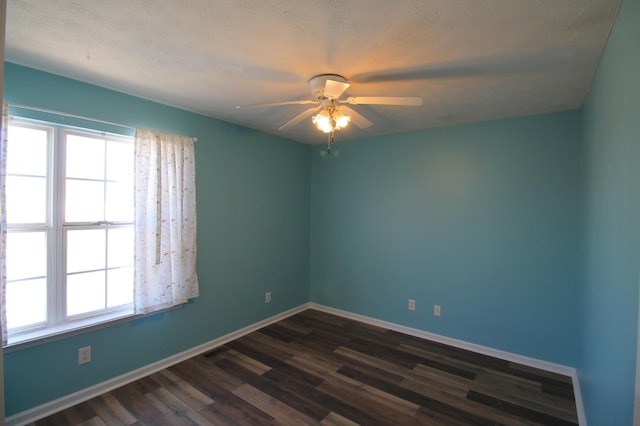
[(57, 321)]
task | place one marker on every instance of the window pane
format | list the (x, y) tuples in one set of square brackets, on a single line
[(97, 184), (119, 202), (85, 157), (26, 302), (85, 250), (27, 151), (120, 161), (84, 201), (26, 199), (120, 247), (85, 293), (26, 255), (119, 287)]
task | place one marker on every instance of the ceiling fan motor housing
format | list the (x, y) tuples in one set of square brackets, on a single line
[(318, 83)]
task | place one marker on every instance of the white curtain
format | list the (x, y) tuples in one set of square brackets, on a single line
[(165, 221), (3, 224)]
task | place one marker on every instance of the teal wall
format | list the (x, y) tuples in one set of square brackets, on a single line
[(612, 137), (253, 237), (483, 219), (525, 231)]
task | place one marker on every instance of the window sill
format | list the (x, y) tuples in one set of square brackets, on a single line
[(50, 334), (75, 328)]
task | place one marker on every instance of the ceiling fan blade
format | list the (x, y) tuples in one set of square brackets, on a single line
[(356, 118), (334, 89), (385, 100), (509, 64), (298, 118), (303, 102), (432, 72)]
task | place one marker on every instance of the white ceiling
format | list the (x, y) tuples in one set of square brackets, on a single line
[(471, 60)]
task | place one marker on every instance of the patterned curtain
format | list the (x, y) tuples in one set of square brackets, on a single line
[(3, 223), (165, 221)]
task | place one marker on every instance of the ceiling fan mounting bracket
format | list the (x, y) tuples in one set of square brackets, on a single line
[(317, 84)]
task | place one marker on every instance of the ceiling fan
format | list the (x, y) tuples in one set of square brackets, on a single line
[(330, 113)]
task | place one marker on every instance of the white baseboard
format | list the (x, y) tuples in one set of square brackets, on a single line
[(485, 350), (577, 392), (46, 409), (70, 400)]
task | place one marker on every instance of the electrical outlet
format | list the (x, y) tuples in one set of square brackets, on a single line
[(84, 355), (437, 310), (267, 297), (412, 305)]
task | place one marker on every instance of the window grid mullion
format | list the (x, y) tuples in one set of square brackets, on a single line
[(106, 232), (60, 257)]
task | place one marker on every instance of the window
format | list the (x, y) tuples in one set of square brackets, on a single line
[(69, 195)]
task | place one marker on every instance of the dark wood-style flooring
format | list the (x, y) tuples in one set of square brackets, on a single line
[(317, 368)]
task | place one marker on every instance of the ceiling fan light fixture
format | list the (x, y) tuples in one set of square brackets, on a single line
[(328, 110), (342, 120), (323, 121), (330, 119)]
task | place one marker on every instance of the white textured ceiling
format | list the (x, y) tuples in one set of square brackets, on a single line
[(471, 60)]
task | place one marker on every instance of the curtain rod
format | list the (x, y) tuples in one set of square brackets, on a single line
[(79, 117)]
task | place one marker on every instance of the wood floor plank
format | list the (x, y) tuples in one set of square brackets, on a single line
[(278, 410), (454, 384), (111, 411), (216, 417), (410, 360), (496, 385), (482, 372), (322, 342), (437, 378), (177, 406), (253, 350), (433, 405), (333, 419), (220, 377), (372, 403), (343, 408), (54, 419), (441, 401), (215, 352), (137, 404), (282, 333), (277, 347), (230, 409), (536, 372), (524, 390), (559, 389), (536, 403), (313, 365), (319, 368), (353, 368), (272, 388), (552, 383), (170, 414), (79, 414), (433, 417), (189, 395), (201, 377), (451, 352), (247, 362), (96, 421), (316, 318), (519, 410), (292, 325), (378, 396)]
